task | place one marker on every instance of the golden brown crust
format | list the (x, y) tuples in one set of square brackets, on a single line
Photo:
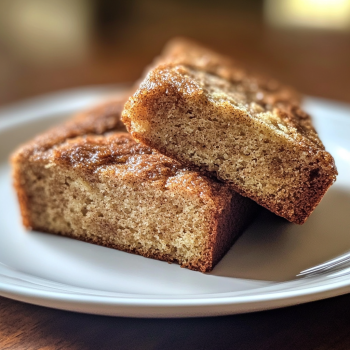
[(137, 162), (115, 156), (193, 83), (96, 120), (263, 89), (178, 81)]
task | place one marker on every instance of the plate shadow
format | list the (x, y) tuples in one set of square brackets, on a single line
[(275, 250)]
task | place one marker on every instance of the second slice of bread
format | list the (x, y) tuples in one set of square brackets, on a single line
[(202, 110)]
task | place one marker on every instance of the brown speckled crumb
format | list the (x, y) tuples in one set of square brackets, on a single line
[(108, 190), (205, 111)]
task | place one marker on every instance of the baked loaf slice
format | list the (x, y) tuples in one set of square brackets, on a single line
[(205, 111), (109, 190)]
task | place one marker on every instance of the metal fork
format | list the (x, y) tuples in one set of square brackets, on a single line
[(326, 266)]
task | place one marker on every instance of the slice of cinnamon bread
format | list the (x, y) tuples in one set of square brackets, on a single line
[(205, 111), (106, 189)]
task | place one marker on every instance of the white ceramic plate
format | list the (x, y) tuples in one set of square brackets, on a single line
[(259, 272)]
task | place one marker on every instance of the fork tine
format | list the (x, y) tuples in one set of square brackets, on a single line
[(326, 265)]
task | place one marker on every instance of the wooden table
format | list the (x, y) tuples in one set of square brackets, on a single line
[(316, 63), (319, 325)]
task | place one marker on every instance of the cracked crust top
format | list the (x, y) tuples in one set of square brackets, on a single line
[(118, 155), (193, 66), (96, 120)]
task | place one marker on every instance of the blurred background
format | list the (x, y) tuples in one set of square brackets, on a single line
[(48, 45)]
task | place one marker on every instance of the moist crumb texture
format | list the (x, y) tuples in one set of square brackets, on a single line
[(106, 189), (205, 111)]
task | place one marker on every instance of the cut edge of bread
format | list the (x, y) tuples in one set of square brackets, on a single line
[(163, 114)]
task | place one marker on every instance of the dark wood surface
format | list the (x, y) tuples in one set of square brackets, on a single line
[(318, 325), (317, 63)]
